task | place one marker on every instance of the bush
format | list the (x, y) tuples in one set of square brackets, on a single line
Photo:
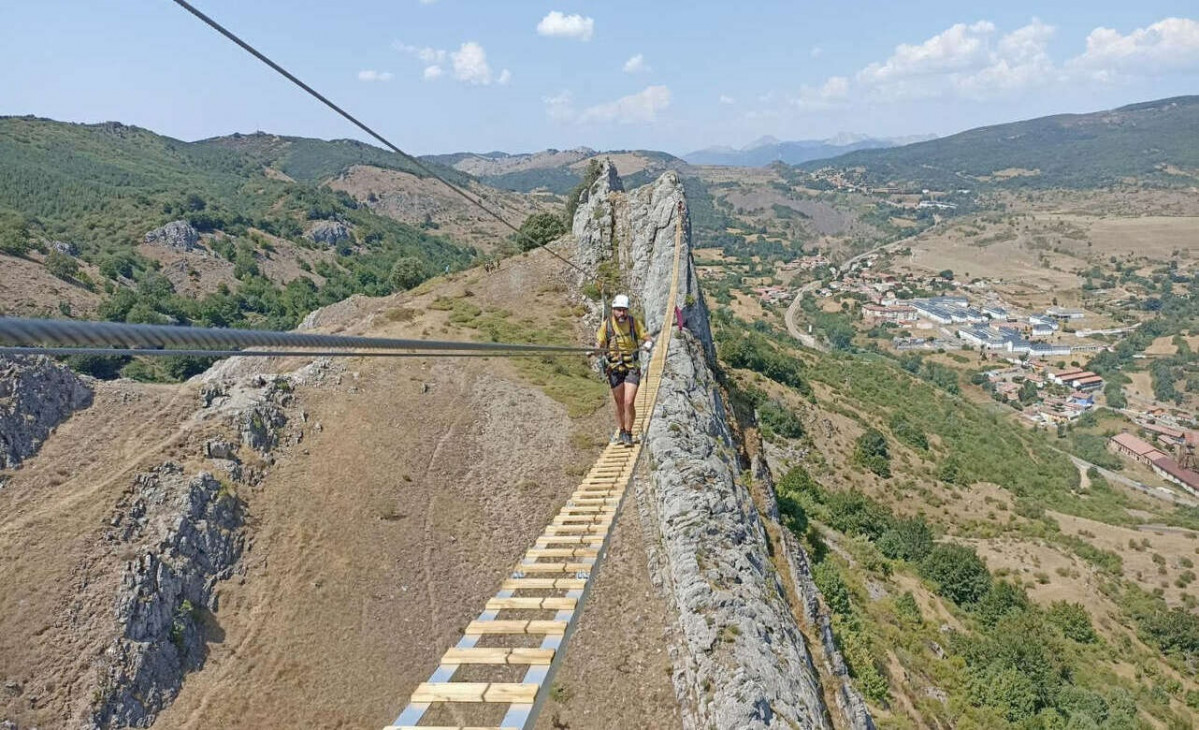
[(907, 432), (1001, 601), (871, 452), (590, 175), (780, 420), (407, 272), (856, 514), (101, 367), (1073, 620), (959, 574), (909, 540), (61, 266), (538, 230)]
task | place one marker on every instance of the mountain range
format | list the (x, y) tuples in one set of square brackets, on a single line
[(766, 150)]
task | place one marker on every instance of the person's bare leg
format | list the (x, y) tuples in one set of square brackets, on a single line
[(618, 397), (630, 405)]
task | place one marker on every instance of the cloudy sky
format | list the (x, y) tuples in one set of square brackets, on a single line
[(520, 75)]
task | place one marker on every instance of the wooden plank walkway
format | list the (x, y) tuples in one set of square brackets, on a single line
[(561, 562)]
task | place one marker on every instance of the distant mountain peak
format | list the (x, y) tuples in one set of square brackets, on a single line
[(764, 141)]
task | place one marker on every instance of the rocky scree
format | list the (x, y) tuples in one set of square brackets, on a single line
[(740, 660), (36, 395), (177, 236)]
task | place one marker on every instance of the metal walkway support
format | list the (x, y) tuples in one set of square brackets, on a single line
[(555, 574)]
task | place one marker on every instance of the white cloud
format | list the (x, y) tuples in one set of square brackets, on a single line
[(560, 107), (558, 25), (1169, 44), (642, 107), (636, 64), (468, 64), (834, 91), (725, 99), (958, 48), (369, 75)]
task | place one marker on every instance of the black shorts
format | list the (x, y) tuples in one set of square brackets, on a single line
[(632, 377)]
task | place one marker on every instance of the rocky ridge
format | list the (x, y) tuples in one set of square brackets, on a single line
[(36, 394), (740, 659)]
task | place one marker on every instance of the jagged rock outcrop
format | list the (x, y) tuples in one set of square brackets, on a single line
[(330, 233), (740, 658), (177, 236), (187, 535), (65, 248), (36, 395)]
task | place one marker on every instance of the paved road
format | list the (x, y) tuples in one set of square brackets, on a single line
[(1161, 493), (796, 331)]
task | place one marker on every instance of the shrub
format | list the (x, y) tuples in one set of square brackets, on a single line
[(780, 420), (959, 574), (907, 432), (871, 451), (1002, 600), (538, 230), (856, 514), (909, 539), (1073, 620), (61, 266), (407, 272)]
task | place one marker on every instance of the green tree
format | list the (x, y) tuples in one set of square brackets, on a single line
[(14, 235), (908, 539), (61, 266), (959, 574), (870, 451), (538, 230), (407, 272), (1073, 620)]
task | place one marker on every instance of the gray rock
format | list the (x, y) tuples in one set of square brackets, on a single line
[(36, 395), (218, 449), (177, 236), (187, 534), (740, 659), (329, 233), (65, 248), (259, 426)]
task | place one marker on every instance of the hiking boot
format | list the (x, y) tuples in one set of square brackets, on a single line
[(626, 438)]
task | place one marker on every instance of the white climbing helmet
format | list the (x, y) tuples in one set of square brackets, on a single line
[(620, 301)]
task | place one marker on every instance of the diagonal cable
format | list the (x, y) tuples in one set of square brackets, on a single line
[(413, 160)]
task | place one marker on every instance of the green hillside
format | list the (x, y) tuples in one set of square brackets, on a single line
[(101, 187), (1152, 142), (316, 160)]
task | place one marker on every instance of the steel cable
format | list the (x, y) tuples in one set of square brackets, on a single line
[(413, 160)]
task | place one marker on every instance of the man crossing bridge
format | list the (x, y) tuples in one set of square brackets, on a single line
[(619, 337)]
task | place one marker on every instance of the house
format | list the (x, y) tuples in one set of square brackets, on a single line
[(1062, 313), (1125, 444), (1067, 373), (994, 311), (1086, 400), (899, 313), (1078, 379), (1050, 349), (1168, 469), (1165, 433)]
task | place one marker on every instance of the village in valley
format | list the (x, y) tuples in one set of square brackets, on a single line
[(1030, 358)]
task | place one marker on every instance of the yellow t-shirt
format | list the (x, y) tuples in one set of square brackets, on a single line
[(625, 340)]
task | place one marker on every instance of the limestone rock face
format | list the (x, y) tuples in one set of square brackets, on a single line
[(36, 395), (740, 660), (177, 236), (187, 535), (329, 233)]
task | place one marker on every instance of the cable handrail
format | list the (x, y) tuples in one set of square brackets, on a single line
[(144, 338)]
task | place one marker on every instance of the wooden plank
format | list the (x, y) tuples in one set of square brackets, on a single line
[(479, 628), (554, 568), (567, 520), (577, 529), (576, 552), (502, 692), (448, 727), (556, 584), (529, 603), (498, 655), (545, 540), (575, 508)]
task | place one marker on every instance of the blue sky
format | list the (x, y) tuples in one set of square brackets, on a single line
[(520, 75)]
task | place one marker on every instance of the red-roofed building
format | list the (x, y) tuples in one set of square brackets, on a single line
[(1168, 469), (1128, 445)]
